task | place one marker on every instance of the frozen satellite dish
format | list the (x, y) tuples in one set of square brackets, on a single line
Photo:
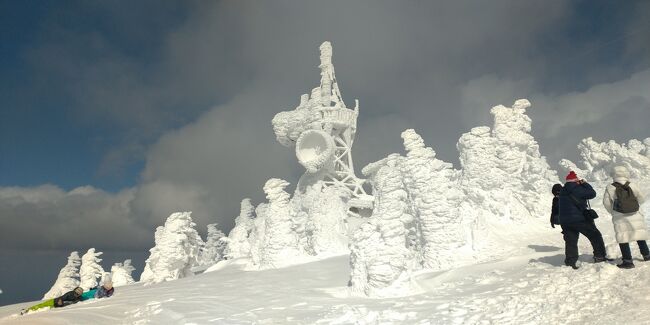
[(314, 149)]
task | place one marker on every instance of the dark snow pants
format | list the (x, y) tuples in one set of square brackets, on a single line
[(571, 233), (627, 253)]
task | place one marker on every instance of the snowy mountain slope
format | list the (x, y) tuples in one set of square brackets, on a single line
[(531, 287)]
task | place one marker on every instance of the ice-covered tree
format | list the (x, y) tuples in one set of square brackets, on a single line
[(380, 259), (319, 218), (68, 278), (121, 273), (90, 271), (176, 250), (504, 176), (238, 241), (433, 188), (325, 228), (213, 249), (599, 158), (280, 242), (257, 236)]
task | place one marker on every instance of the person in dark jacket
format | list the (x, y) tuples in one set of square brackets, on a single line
[(71, 297), (105, 290), (555, 207), (573, 221)]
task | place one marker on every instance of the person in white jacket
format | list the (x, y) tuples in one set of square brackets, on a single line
[(628, 226)]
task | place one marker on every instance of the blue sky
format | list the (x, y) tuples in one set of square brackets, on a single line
[(115, 114), (45, 136)]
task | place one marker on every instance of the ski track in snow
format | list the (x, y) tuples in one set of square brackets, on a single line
[(529, 288)]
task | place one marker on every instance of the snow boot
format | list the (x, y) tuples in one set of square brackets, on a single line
[(599, 259), (626, 265), (646, 258), (573, 266)]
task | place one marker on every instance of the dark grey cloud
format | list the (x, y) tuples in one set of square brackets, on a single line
[(47, 217), (220, 74)]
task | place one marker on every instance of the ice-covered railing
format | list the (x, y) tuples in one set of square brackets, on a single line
[(338, 117)]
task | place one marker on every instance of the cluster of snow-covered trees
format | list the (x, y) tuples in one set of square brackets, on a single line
[(439, 217), (86, 272), (177, 252), (426, 214), (598, 158), (287, 230)]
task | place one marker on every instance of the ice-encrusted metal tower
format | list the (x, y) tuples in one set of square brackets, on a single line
[(323, 130)]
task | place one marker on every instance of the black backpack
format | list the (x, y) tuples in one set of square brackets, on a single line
[(625, 201)]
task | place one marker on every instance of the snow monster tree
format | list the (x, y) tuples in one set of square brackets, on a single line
[(175, 252)]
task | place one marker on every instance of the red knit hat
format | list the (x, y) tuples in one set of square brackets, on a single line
[(572, 177)]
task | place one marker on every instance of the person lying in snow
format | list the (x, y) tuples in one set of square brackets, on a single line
[(104, 291), (69, 298)]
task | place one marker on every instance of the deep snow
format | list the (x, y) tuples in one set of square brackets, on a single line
[(530, 287)]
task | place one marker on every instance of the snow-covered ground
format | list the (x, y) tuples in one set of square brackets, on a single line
[(530, 287)]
